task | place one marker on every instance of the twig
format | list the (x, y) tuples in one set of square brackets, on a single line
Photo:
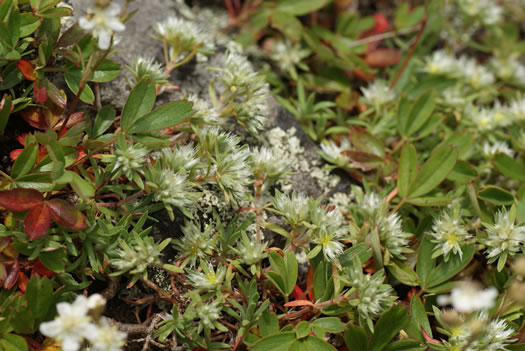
[(409, 55)]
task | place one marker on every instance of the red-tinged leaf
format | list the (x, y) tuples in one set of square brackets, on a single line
[(66, 215), (26, 68), (381, 23), (364, 160), (41, 270), (367, 77), (20, 199), (37, 221), (298, 303), (36, 118), (383, 57), (22, 282), (39, 92), (14, 154), (57, 96), (74, 119), (13, 271), (310, 283), (428, 338), (297, 292), (22, 138)]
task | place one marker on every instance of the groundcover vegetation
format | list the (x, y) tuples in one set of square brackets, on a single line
[(418, 106)]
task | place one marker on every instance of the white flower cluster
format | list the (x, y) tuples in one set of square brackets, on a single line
[(102, 22), (195, 244), (373, 295), (144, 67), (137, 255), (487, 12), (391, 233), (246, 92), (334, 153), (267, 167), (449, 235), (463, 68), (469, 297), (182, 35), (209, 279), (378, 93), (288, 55), (204, 113), (80, 322), (504, 238), (498, 116), (498, 147)]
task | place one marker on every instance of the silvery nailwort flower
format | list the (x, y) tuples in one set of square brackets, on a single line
[(504, 238), (102, 22), (209, 278), (498, 147), (334, 153), (469, 297), (288, 55), (448, 235), (108, 338), (392, 235), (196, 244), (478, 76), (146, 67), (440, 62), (209, 313), (72, 325), (378, 93), (181, 34)]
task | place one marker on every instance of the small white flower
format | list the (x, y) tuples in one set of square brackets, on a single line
[(504, 237), (449, 234), (332, 248), (392, 235), (102, 22), (71, 325), (333, 153), (498, 147), (209, 313), (378, 93), (440, 62), (147, 68), (108, 338), (469, 297), (454, 97), (204, 113), (288, 55), (517, 108), (209, 279)]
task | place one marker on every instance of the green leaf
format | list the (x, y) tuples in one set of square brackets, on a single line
[(54, 260), (316, 344), (268, 323), (288, 24), (13, 27), (403, 273), (363, 140), (302, 329), (56, 153), (388, 326), (509, 167), (419, 317), (302, 7), (73, 82), (39, 295), (5, 112), (291, 271), (362, 251), (330, 324), (164, 117), (405, 345), (82, 187), (25, 161), (433, 172), (355, 338), (106, 71), (140, 101), (407, 169), (12, 342), (430, 201), (462, 141), (496, 195), (463, 172), (276, 342), (446, 270), (421, 111), (425, 262), (103, 121)]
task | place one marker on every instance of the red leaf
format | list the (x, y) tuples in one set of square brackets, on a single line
[(22, 282), (26, 68), (39, 92), (37, 221), (15, 153), (66, 215), (40, 269), (381, 23), (298, 303), (22, 138), (36, 118), (20, 199), (310, 283), (13, 271), (297, 292), (383, 57)]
